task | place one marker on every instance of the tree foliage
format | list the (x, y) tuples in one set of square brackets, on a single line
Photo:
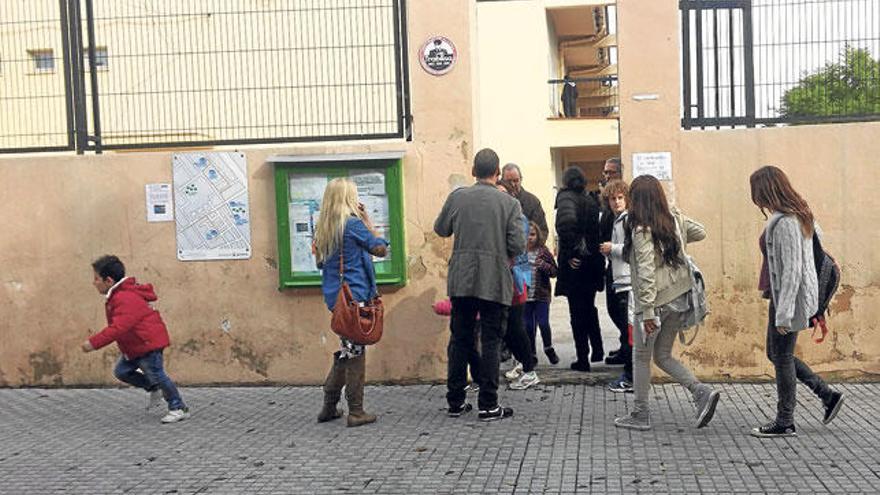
[(850, 87)]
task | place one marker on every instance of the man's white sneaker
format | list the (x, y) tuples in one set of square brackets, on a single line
[(525, 381), (155, 399), (175, 416), (514, 372)]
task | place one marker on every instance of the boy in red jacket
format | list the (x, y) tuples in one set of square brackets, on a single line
[(139, 332)]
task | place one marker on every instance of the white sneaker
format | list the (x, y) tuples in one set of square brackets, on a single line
[(155, 399), (525, 381), (514, 372), (175, 416)]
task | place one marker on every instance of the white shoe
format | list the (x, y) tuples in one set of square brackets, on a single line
[(514, 372), (155, 399), (175, 416), (525, 381)]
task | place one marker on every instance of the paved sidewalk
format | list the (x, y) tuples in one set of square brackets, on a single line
[(561, 440)]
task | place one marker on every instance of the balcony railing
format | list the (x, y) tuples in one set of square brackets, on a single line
[(584, 97)]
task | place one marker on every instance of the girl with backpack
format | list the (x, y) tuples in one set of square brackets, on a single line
[(655, 247), (788, 279)]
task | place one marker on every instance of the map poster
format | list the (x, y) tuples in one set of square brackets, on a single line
[(212, 211)]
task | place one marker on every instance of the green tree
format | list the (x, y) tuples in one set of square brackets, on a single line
[(850, 87)]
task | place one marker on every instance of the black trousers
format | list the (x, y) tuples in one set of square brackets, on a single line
[(585, 323), (618, 311), (790, 370), (517, 339), (493, 320)]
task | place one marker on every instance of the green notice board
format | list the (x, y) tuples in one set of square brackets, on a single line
[(299, 189)]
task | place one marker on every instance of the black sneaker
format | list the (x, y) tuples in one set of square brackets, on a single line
[(456, 411), (551, 355), (774, 430), (833, 407), (580, 366), (615, 360), (613, 353), (597, 357), (495, 414)]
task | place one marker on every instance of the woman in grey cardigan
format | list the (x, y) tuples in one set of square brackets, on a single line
[(655, 246), (788, 279)]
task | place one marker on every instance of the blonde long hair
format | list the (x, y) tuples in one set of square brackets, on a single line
[(339, 204)]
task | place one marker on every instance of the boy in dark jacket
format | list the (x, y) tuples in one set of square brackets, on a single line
[(139, 332)]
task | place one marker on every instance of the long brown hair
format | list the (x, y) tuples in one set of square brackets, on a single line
[(648, 209), (771, 190)]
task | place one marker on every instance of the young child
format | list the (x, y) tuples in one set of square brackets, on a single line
[(139, 332), (537, 311), (619, 288)]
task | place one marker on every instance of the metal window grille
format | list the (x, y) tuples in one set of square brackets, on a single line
[(202, 73), (771, 62)]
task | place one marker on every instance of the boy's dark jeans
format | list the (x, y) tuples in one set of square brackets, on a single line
[(789, 369), (151, 376), (493, 320), (517, 340), (617, 304)]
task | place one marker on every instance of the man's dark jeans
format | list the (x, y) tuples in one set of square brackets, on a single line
[(618, 309), (493, 319), (148, 372), (789, 369), (585, 323)]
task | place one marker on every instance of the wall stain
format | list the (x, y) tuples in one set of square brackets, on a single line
[(46, 366), (250, 359), (191, 347), (271, 263), (843, 300), (417, 269)]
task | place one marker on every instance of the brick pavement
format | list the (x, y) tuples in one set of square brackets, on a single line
[(265, 440)]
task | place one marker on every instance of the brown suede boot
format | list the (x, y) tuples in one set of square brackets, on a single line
[(355, 375), (333, 390)]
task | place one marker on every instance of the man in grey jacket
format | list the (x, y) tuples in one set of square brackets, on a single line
[(488, 232)]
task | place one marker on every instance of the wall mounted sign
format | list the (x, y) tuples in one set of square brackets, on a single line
[(438, 55)]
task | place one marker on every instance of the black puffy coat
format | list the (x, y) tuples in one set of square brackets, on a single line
[(577, 229)]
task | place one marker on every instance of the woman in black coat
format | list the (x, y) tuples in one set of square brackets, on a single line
[(581, 265)]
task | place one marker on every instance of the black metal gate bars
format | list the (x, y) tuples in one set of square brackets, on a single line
[(768, 62), (102, 74)]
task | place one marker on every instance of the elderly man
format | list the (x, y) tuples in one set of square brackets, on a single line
[(488, 229), (531, 205)]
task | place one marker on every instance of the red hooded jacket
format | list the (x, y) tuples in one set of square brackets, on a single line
[(136, 327)]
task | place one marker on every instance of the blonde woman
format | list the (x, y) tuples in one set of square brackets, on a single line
[(345, 231)]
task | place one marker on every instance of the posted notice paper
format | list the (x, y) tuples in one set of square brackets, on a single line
[(160, 205)]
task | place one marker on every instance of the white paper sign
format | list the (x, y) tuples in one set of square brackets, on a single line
[(160, 206), (658, 164)]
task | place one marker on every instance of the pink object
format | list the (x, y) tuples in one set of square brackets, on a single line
[(443, 308)]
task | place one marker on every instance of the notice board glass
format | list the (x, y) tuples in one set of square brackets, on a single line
[(299, 190)]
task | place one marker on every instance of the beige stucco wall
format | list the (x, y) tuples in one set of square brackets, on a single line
[(833, 166), (514, 100), (62, 211)]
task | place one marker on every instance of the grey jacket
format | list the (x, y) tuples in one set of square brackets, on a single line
[(488, 229), (793, 284), (654, 282)]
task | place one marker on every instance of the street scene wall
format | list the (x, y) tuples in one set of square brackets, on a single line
[(64, 210), (833, 166)]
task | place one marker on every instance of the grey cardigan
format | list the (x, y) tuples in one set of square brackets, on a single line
[(488, 229), (793, 285)]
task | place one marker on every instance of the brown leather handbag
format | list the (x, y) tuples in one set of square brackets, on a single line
[(358, 322)]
